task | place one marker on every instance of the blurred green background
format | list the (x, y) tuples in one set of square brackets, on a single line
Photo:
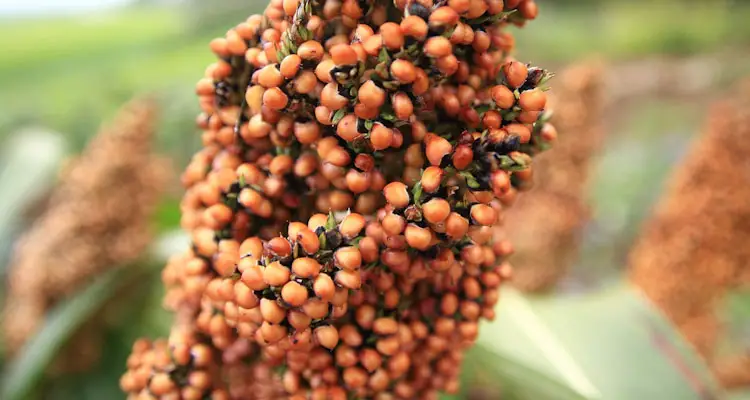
[(67, 71)]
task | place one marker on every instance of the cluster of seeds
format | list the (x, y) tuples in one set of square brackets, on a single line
[(357, 158), (688, 275), (96, 218)]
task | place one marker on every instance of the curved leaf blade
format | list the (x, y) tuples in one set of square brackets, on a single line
[(26, 370), (612, 345)]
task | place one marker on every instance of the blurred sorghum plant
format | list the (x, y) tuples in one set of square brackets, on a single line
[(546, 226), (357, 156), (97, 218), (694, 249)]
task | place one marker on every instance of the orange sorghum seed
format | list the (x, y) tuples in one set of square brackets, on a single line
[(343, 54), (310, 50), (371, 95), (294, 294), (381, 137), (436, 148), (515, 73), (432, 178), (532, 100), (436, 210), (438, 46)]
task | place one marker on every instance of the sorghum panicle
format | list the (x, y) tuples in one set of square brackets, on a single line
[(693, 249), (357, 157), (96, 218)]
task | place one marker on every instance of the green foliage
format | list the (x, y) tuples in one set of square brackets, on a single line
[(611, 345), (24, 372), (625, 30)]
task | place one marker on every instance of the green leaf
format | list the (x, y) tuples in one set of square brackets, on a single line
[(24, 371), (30, 160), (338, 115), (417, 193), (612, 345), (739, 395), (331, 221), (383, 56)]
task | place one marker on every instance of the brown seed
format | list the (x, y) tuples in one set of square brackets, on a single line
[(294, 294), (252, 276), (307, 132), (323, 70), (393, 224), (345, 357), (391, 35), (343, 54), (370, 359), (290, 7), (476, 9), (500, 182), (373, 44), (379, 381), (331, 98), (276, 274), (324, 287), (529, 9), (443, 17), (272, 333), (272, 311), (515, 73), (396, 194), (436, 148), (463, 156), (436, 210), (523, 132), (432, 178), (348, 258), (352, 225), (347, 128), (532, 100), (503, 97), (371, 95), (244, 297), (417, 237), (438, 46), (404, 71), (481, 41), (299, 320), (270, 76), (460, 6), (315, 308), (388, 346), (355, 377), (402, 106), (483, 214), (385, 326), (306, 267), (305, 82), (290, 65), (414, 26), (348, 279), (311, 50), (381, 137), (368, 247), (456, 226), (327, 336)]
